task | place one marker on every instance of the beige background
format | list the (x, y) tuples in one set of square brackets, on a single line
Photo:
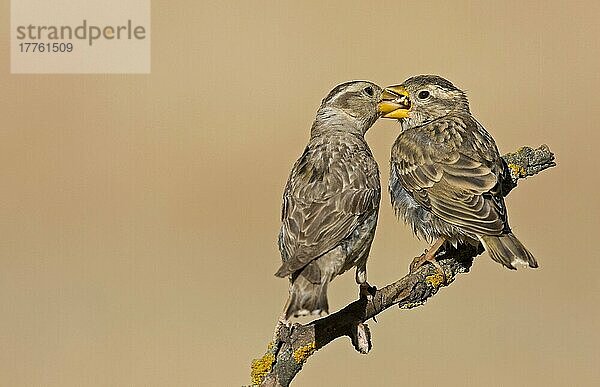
[(139, 213)]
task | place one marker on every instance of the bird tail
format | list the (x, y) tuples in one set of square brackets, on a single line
[(508, 250), (307, 297)]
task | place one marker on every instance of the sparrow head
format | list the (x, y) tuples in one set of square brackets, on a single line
[(355, 100), (422, 99)]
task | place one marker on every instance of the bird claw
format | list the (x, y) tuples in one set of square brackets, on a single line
[(367, 291), (418, 262)]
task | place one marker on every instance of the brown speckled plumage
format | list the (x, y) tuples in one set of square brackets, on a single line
[(446, 174), (331, 199)]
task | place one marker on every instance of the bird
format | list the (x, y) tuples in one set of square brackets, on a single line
[(446, 173), (331, 200)]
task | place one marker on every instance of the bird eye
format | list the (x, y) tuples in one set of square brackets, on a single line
[(423, 94), (369, 90)]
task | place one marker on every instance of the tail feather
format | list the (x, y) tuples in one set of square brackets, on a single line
[(307, 298), (508, 251), (283, 271)]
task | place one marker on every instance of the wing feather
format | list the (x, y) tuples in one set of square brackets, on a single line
[(452, 168), (332, 188)]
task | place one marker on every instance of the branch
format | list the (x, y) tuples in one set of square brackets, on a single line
[(293, 344)]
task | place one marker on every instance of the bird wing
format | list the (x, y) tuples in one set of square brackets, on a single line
[(452, 167), (328, 194)]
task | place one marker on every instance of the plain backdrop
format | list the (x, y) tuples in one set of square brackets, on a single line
[(139, 213)]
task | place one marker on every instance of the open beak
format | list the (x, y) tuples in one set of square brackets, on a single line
[(394, 102)]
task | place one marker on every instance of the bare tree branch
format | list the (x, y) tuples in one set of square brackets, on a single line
[(293, 345)]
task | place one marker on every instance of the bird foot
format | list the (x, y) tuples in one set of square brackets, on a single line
[(366, 291), (418, 262)]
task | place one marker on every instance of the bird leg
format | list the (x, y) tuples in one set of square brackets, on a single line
[(365, 290), (429, 256)]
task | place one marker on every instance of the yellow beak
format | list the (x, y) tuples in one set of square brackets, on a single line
[(394, 102)]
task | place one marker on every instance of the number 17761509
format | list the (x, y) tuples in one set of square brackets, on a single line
[(46, 47)]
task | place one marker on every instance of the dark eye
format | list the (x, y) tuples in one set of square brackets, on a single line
[(369, 90), (423, 94)]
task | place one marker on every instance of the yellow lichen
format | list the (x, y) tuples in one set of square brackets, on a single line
[(435, 280), (302, 353), (517, 169), (261, 367)]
